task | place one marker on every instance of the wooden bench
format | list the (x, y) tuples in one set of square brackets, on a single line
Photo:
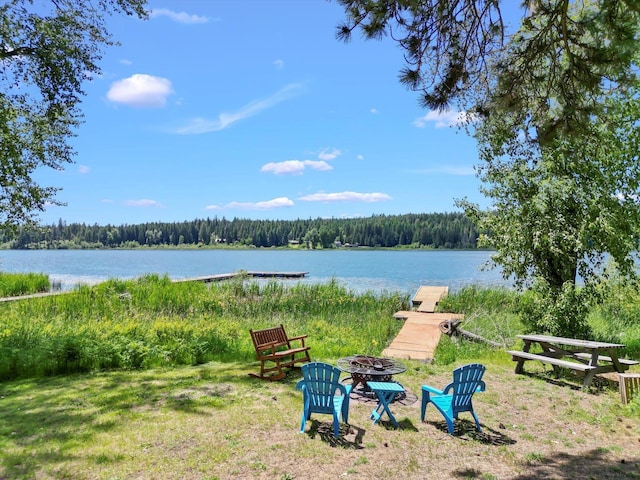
[(520, 357), (275, 352), (604, 358)]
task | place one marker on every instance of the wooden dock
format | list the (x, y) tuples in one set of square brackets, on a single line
[(426, 298), (255, 274), (420, 334)]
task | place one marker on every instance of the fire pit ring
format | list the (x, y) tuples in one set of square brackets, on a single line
[(365, 368)]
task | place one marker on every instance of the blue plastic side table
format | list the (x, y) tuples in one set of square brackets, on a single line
[(386, 392)]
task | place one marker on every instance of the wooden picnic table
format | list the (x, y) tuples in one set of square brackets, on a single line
[(584, 356)]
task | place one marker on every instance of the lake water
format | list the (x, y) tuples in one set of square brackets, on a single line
[(359, 270)]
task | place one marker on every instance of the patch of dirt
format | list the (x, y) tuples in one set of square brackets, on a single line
[(534, 426)]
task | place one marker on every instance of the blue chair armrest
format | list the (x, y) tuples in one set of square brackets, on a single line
[(300, 384), (344, 389), (481, 387), (432, 390)]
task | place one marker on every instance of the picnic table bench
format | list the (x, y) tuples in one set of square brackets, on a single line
[(584, 356), (275, 351)]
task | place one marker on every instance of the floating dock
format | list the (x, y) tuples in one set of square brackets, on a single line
[(228, 276), (426, 298), (420, 334)]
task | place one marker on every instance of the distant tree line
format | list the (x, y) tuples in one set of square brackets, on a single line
[(436, 230)]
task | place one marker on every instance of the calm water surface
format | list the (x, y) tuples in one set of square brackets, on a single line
[(360, 270)]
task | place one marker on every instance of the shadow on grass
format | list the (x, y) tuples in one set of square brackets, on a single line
[(595, 464), (404, 424), (46, 419), (573, 381), (350, 436), (466, 430)]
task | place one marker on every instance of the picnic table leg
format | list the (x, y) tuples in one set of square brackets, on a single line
[(548, 349), (613, 354), (588, 378), (520, 362)]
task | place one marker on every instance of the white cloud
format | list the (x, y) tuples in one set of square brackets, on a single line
[(144, 202), (279, 63), (279, 202), (447, 118), (318, 165), (329, 155), (126, 61), (141, 90), (360, 157), (294, 167), (374, 110), (203, 125), (346, 197), (180, 17), (290, 167), (83, 169)]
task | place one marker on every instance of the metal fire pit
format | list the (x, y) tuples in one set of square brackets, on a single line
[(365, 368)]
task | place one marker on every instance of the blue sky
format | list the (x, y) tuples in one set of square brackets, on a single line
[(253, 109)]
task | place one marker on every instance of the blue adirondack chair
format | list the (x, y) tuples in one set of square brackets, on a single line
[(456, 396), (323, 393)]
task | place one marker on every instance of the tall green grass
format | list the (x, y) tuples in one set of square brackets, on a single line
[(491, 313), (153, 322), (14, 284), (617, 318), (495, 314)]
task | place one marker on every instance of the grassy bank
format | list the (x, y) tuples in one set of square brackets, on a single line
[(152, 322), (148, 379)]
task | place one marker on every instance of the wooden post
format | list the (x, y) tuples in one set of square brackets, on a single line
[(629, 386)]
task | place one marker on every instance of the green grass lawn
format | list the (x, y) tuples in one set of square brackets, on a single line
[(147, 379), (215, 421)]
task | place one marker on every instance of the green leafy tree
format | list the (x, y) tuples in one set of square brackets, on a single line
[(48, 49), (561, 212), (553, 107), (311, 238)]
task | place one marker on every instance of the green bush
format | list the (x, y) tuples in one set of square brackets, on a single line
[(562, 312), (617, 317)]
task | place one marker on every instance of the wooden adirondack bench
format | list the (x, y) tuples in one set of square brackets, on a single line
[(275, 352)]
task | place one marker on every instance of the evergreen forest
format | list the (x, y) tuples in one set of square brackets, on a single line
[(434, 230)]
